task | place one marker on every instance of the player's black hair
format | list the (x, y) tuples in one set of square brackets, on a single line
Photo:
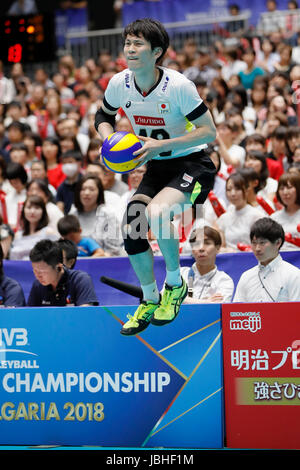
[(152, 30)]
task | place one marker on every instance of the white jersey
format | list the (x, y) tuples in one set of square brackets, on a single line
[(165, 112)]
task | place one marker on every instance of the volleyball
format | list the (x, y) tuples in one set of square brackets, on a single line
[(117, 152)]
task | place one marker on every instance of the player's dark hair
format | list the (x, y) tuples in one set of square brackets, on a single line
[(267, 228), (152, 30), (48, 251)]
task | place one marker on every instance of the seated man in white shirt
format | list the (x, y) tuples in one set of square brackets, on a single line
[(206, 284), (273, 279)]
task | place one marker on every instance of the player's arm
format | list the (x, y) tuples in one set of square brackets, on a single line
[(105, 119), (204, 132)]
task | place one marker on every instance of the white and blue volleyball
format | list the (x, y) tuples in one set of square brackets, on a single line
[(117, 152)]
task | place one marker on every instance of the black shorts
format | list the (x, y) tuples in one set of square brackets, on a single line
[(194, 174)]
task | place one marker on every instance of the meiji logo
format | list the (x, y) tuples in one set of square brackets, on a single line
[(250, 322), (149, 121), (16, 336)]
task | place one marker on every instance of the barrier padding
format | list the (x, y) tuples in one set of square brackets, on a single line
[(233, 264), (67, 377)]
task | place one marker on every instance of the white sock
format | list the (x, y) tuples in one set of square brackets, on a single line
[(151, 292), (173, 278)]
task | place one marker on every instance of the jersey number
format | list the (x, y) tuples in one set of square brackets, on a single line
[(157, 134)]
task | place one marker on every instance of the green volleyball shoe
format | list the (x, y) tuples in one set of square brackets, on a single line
[(170, 303), (140, 320)]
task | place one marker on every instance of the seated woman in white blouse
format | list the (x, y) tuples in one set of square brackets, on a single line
[(35, 226), (288, 194), (97, 220), (234, 225)]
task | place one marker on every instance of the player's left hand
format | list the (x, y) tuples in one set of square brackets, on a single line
[(150, 149)]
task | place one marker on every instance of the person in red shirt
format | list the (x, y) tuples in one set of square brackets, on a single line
[(278, 160), (51, 154), (257, 142)]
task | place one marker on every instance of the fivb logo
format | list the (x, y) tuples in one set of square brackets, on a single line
[(251, 321), (11, 341), (13, 337)]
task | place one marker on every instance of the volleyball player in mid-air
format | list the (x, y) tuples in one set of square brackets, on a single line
[(174, 125)]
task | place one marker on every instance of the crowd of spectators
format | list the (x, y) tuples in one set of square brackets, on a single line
[(50, 152)]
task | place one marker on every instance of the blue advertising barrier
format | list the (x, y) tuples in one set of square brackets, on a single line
[(67, 377), (234, 264)]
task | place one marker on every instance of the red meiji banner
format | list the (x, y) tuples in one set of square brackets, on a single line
[(261, 343)]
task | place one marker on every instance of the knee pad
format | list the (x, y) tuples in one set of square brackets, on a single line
[(135, 228)]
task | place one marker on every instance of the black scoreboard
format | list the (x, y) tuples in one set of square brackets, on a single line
[(26, 39)]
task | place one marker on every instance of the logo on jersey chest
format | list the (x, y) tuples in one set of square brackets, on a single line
[(149, 121), (164, 108)]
